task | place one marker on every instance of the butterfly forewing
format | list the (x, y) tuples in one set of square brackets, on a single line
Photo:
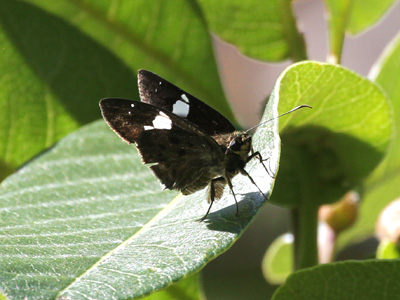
[(161, 93), (183, 157), (127, 118)]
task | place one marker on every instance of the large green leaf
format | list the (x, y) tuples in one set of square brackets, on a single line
[(59, 58), (264, 30), (167, 37), (337, 144), (346, 280), (327, 151), (88, 219), (383, 186), (51, 80)]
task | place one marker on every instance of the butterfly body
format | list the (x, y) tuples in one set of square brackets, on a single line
[(187, 144)]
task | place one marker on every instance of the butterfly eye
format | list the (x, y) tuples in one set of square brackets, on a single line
[(236, 144)]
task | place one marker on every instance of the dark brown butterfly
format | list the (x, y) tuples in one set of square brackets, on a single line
[(189, 145)]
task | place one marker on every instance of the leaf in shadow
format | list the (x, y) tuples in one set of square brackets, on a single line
[(78, 70), (370, 279)]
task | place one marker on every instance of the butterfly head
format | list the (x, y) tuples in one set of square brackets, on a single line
[(240, 144)]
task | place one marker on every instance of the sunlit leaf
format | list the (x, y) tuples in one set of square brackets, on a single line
[(88, 219), (365, 14), (334, 146), (264, 30), (59, 58)]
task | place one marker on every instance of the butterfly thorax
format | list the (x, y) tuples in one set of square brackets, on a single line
[(236, 147)]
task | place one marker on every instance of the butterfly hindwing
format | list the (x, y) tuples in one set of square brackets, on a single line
[(161, 93), (182, 156), (188, 165)]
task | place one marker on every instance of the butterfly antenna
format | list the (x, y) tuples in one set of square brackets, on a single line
[(288, 112)]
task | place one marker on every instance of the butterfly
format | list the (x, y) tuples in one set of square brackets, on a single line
[(188, 145)]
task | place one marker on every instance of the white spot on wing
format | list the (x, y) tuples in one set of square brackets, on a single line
[(180, 109), (162, 121), (132, 105), (185, 98)]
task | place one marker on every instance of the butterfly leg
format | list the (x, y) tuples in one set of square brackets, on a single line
[(228, 180), (244, 172), (216, 189), (260, 158)]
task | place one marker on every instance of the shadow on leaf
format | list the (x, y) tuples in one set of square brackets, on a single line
[(76, 68), (323, 164)]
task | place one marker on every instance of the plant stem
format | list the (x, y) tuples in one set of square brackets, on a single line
[(339, 16), (305, 223)]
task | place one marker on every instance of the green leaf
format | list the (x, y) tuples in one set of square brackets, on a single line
[(51, 81), (54, 72), (146, 35), (382, 186), (277, 263), (264, 30), (328, 150), (385, 71), (88, 219), (351, 16), (337, 144), (345, 280), (365, 14)]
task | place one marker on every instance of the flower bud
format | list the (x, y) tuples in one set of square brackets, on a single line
[(342, 214)]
